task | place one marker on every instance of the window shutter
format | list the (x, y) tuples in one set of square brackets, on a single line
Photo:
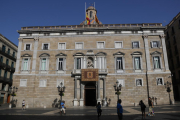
[(132, 45), (151, 43), (159, 43)]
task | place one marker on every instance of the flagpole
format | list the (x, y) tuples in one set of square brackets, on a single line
[(85, 13), (94, 12)]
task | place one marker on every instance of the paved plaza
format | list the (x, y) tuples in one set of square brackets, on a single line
[(163, 112)]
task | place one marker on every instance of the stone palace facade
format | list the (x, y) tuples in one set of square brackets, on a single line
[(132, 54)]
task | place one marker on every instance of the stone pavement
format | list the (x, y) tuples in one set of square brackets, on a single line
[(166, 112)]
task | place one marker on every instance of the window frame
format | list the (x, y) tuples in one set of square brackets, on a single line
[(20, 85), (30, 48), (133, 44), (61, 43), (136, 82), (43, 46), (157, 81), (116, 55), (154, 54), (100, 42), (158, 44), (117, 42), (22, 65), (79, 43)]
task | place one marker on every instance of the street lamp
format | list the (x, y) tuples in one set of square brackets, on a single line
[(61, 89), (168, 89), (13, 90), (117, 88)]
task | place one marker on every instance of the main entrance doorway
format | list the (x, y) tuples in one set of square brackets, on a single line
[(90, 94)]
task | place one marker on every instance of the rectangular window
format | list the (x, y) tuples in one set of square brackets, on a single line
[(60, 64), (139, 82), (8, 51), (25, 64), (119, 63), (12, 64), (135, 44), (7, 61), (78, 63), (155, 44), (160, 81), (156, 62), (5, 74), (118, 44), (43, 63), (3, 48), (23, 82), (101, 63), (173, 30), (42, 83), (27, 46), (137, 63), (45, 46), (11, 76), (13, 54), (100, 45), (62, 46), (2, 59), (79, 46)]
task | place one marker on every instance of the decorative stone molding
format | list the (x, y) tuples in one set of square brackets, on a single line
[(20, 39), (118, 53), (26, 55), (36, 38), (162, 35), (156, 52), (137, 53), (145, 36)]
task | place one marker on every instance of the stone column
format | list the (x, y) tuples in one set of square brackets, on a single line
[(75, 92), (81, 95), (84, 62), (36, 39), (146, 47), (95, 62), (18, 55), (104, 89), (98, 91), (164, 52)]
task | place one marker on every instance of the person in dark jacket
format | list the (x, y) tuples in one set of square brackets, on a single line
[(143, 108), (99, 109), (119, 109)]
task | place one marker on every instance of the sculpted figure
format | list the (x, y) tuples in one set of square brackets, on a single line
[(90, 64)]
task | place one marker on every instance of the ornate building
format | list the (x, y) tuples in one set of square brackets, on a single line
[(8, 52), (89, 60), (172, 32)]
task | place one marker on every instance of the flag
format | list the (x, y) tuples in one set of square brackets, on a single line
[(96, 19), (88, 20)]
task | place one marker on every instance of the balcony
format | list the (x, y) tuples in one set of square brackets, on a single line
[(8, 68), (5, 80), (2, 65), (101, 72), (8, 55), (12, 69)]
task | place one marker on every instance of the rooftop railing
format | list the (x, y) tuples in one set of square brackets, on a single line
[(92, 26)]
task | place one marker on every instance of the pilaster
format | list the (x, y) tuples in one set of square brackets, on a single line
[(18, 55), (75, 92), (164, 52), (36, 40), (98, 91), (146, 46)]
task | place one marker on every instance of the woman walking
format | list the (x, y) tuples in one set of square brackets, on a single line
[(99, 109), (143, 107)]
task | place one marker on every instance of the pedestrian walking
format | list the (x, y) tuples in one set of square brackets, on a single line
[(119, 109), (62, 107), (143, 108), (150, 107), (99, 110), (23, 105)]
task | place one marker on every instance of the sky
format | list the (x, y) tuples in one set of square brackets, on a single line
[(15, 14)]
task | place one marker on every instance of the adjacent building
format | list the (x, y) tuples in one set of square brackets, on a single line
[(89, 60), (172, 32), (8, 51)]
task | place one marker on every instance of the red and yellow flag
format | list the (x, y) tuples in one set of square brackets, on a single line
[(96, 19), (88, 20)]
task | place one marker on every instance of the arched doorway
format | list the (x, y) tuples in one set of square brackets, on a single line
[(90, 94)]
